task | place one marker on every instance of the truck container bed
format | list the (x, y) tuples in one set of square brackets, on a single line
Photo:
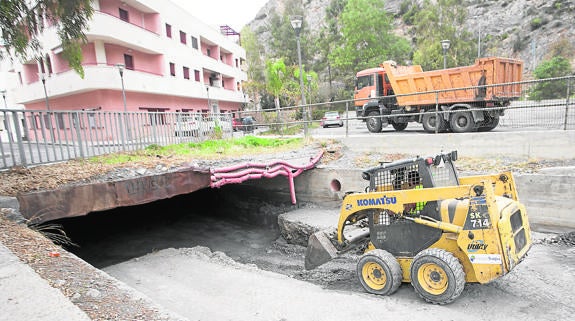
[(408, 81)]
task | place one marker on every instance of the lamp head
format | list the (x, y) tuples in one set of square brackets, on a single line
[(296, 22), (121, 68), (445, 44)]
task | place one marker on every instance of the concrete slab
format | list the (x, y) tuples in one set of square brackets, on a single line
[(25, 296), (297, 226)]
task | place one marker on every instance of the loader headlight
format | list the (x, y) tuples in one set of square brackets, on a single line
[(366, 176)]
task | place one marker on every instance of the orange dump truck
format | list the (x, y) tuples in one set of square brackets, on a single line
[(460, 99)]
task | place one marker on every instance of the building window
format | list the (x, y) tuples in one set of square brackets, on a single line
[(197, 75), (186, 73), (157, 117), (237, 63), (168, 31), (208, 52), (194, 42), (129, 61), (172, 69), (183, 37), (124, 15)]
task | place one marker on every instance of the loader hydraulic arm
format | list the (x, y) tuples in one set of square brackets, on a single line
[(428, 221)]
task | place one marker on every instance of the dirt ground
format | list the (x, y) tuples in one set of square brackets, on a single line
[(216, 287)]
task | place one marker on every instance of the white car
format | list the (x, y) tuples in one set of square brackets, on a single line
[(331, 118)]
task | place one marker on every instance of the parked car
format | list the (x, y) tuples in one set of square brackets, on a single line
[(248, 124), (331, 118), (237, 124), (188, 125)]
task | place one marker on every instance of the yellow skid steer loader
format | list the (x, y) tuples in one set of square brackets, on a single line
[(419, 222)]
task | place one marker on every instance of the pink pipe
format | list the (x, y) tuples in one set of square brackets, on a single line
[(217, 176), (312, 163), (231, 175)]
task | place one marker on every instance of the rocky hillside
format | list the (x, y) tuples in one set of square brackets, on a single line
[(524, 29)]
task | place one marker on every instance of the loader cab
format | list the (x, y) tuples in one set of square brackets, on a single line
[(437, 171), (403, 237)]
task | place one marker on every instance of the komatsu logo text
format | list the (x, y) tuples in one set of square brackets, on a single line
[(376, 201)]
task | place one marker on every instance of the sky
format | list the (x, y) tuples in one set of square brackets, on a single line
[(234, 13)]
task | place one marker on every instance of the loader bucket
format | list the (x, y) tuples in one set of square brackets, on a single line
[(319, 250)]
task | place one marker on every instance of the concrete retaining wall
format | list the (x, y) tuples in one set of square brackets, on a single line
[(546, 197), (548, 144)]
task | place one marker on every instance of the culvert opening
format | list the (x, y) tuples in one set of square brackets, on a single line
[(335, 185), (238, 220)]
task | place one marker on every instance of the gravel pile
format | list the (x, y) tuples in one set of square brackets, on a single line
[(561, 239)]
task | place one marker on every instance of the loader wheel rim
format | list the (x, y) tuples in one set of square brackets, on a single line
[(374, 275), (433, 278)]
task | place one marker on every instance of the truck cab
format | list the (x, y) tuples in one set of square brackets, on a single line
[(369, 85)]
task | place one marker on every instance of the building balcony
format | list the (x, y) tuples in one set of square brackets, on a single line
[(106, 27), (106, 77)]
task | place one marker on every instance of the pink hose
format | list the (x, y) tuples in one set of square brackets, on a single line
[(239, 173)]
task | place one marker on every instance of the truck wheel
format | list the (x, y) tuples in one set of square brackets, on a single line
[(490, 126), (437, 276), (430, 121), (462, 122), (374, 122), (379, 272), (399, 126)]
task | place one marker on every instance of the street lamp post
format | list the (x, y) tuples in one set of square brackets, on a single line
[(121, 68), (296, 23), (445, 46), (43, 78), (3, 91), (208, 93), (309, 78)]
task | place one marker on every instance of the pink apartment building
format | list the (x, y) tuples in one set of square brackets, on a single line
[(172, 62)]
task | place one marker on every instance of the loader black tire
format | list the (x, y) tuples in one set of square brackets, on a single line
[(373, 122), (462, 122), (437, 276), (430, 120), (379, 272)]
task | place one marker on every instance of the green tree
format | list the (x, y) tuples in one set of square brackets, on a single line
[(275, 79), (255, 85), (22, 21), (329, 36), (555, 67), (283, 42), (367, 38), (436, 21)]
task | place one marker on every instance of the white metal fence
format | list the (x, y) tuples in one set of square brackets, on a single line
[(38, 137)]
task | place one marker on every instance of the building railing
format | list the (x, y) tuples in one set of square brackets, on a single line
[(32, 137)]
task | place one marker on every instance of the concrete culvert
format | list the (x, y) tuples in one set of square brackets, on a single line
[(208, 246)]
